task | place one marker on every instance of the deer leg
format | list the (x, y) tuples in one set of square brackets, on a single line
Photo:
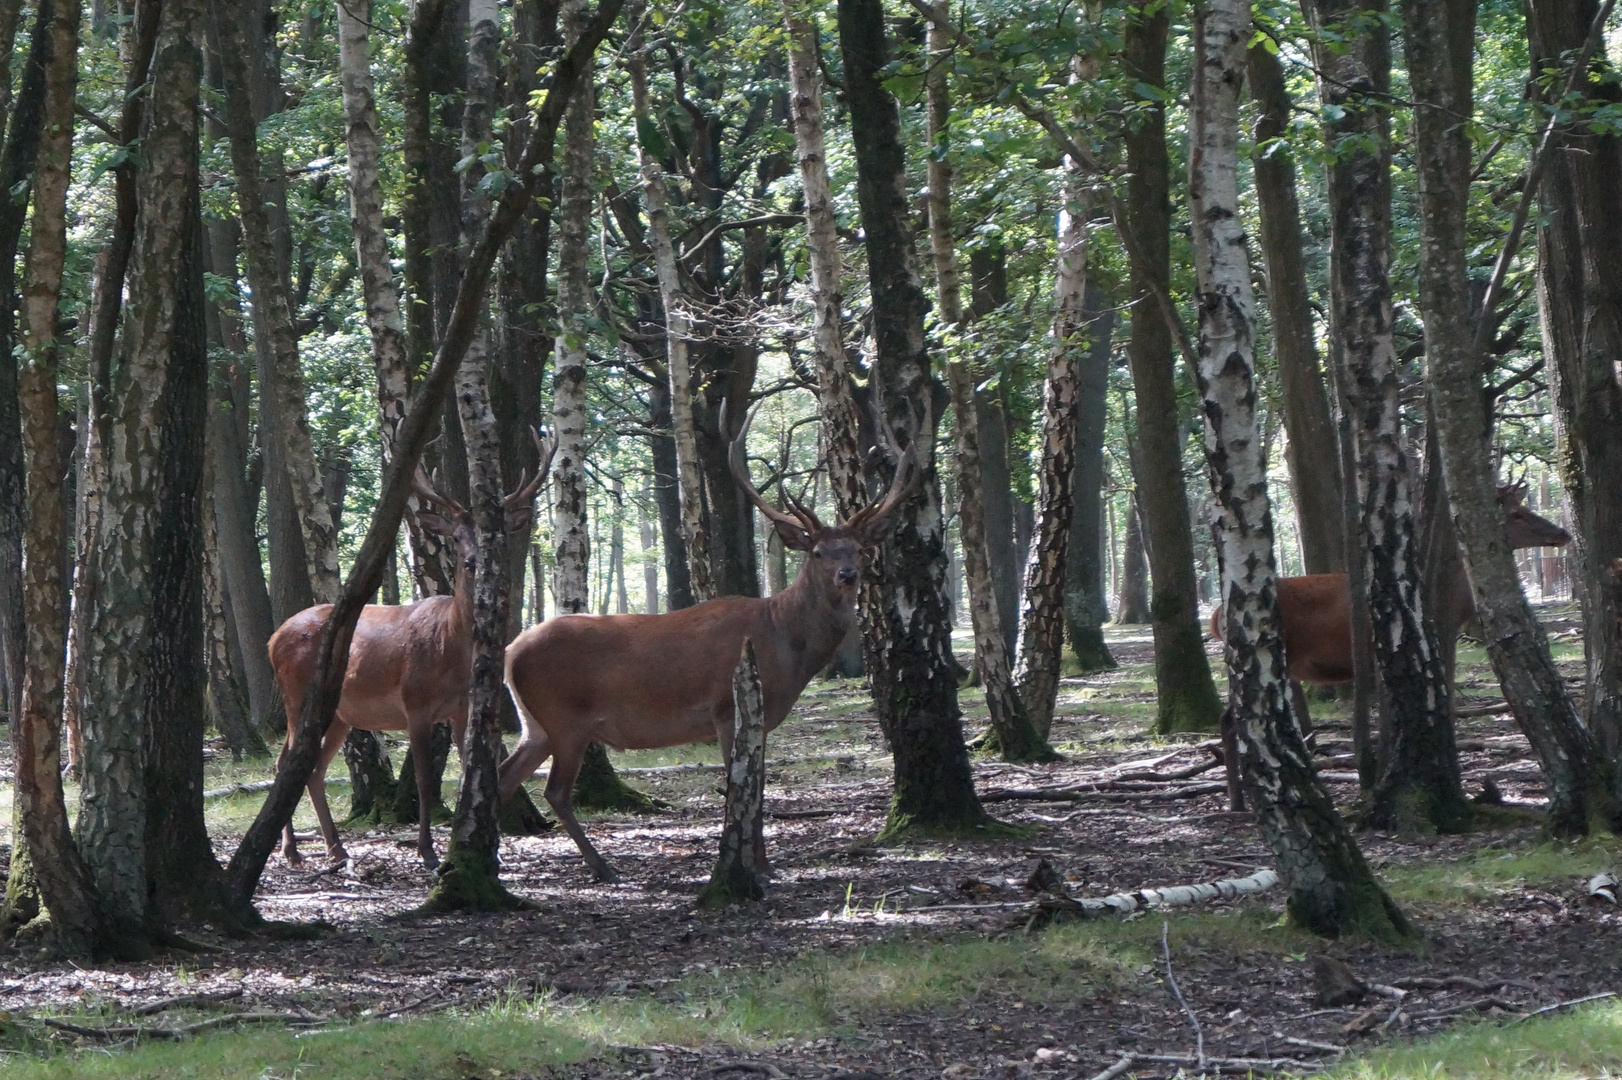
[(560, 794), (330, 745), (521, 764), (421, 752)]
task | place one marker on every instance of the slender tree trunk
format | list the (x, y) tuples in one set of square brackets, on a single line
[(909, 654), (1579, 256), (839, 421), (225, 706), (650, 569), (1419, 785), (471, 878), (1332, 890), (1187, 697), (572, 535), (66, 883), (1017, 738), (1085, 608), (678, 330), (667, 496), (17, 161), (1440, 41), (90, 472), (1132, 608), (273, 320), (1041, 635), (1312, 452)]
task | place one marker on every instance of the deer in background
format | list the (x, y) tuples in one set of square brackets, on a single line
[(638, 682), (1315, 612), (410, 665)]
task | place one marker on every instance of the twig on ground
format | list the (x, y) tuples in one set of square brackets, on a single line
[(124, 1031), (1180, 774), (1117, 1069), (1330, 1048), (1387, 991), (1171, 979), (1098, 794), (1479, 1005), (185, 1000), (1563, 1005), (1240, 1063)]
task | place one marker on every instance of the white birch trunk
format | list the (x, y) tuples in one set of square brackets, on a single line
[(573, 540)]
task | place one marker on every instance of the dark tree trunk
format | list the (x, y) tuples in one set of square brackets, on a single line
[(1440, 43), (667, 497), (1579, 275), (16, 163), (909, 651), (184, 880), (1085, 609), (1132, 607), (1187, 697), (1312, 452), (997, 484)]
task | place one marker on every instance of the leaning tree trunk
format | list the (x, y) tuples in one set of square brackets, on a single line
[(1187, 697), (1419, 785), (321, 702), (909, 633), (66, 885), (1332, 890), (1016, 737), (1085, 608), (1579, 273), (1041, 634), (1311, 451), (1440, 40)]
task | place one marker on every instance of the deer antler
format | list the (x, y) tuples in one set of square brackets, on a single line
[(736, 461), (545, 447), (425, 488)]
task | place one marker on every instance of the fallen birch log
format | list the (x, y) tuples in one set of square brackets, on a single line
[(1171, 896)]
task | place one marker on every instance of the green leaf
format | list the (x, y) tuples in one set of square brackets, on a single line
[(651, 138)]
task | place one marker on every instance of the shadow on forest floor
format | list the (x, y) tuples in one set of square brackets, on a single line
[(863, 961)]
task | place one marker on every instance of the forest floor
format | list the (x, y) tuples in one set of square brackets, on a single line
[(910, 960)]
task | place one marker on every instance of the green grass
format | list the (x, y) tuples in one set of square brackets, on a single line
[(1586, 1042), (751, 1007), (1492, 871)]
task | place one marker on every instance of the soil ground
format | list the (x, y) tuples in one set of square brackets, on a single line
[(1532, 943)]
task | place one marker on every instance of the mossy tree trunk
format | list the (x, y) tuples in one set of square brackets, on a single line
[(1187, 696)]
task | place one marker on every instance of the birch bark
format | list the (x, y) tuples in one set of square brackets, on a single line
[(1332, 890)]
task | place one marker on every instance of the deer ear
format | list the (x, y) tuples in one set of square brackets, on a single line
[(794, 538), (435, 524)]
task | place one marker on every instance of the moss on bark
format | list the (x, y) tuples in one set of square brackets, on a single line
[(599, 787), (470, 882)]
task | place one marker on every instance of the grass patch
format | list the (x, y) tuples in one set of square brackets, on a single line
[(751, 1007), (1493, 871), (1583, 1043)]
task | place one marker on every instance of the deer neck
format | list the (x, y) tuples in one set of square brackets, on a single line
[(462, 596), (814, 613)]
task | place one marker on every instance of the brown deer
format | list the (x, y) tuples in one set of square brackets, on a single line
[(410, 665), (645, 681), (1315, 612)]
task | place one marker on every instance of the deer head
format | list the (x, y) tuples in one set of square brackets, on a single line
[(1526, 528), (456, 521), (834, 551)]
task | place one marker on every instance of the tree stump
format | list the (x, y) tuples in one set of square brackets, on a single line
[(738, 870)]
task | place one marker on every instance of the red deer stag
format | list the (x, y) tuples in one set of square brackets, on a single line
[(410, 665), (645, 681), (1316, 613)]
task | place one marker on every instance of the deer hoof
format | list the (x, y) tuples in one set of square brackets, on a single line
[(293, 857)]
